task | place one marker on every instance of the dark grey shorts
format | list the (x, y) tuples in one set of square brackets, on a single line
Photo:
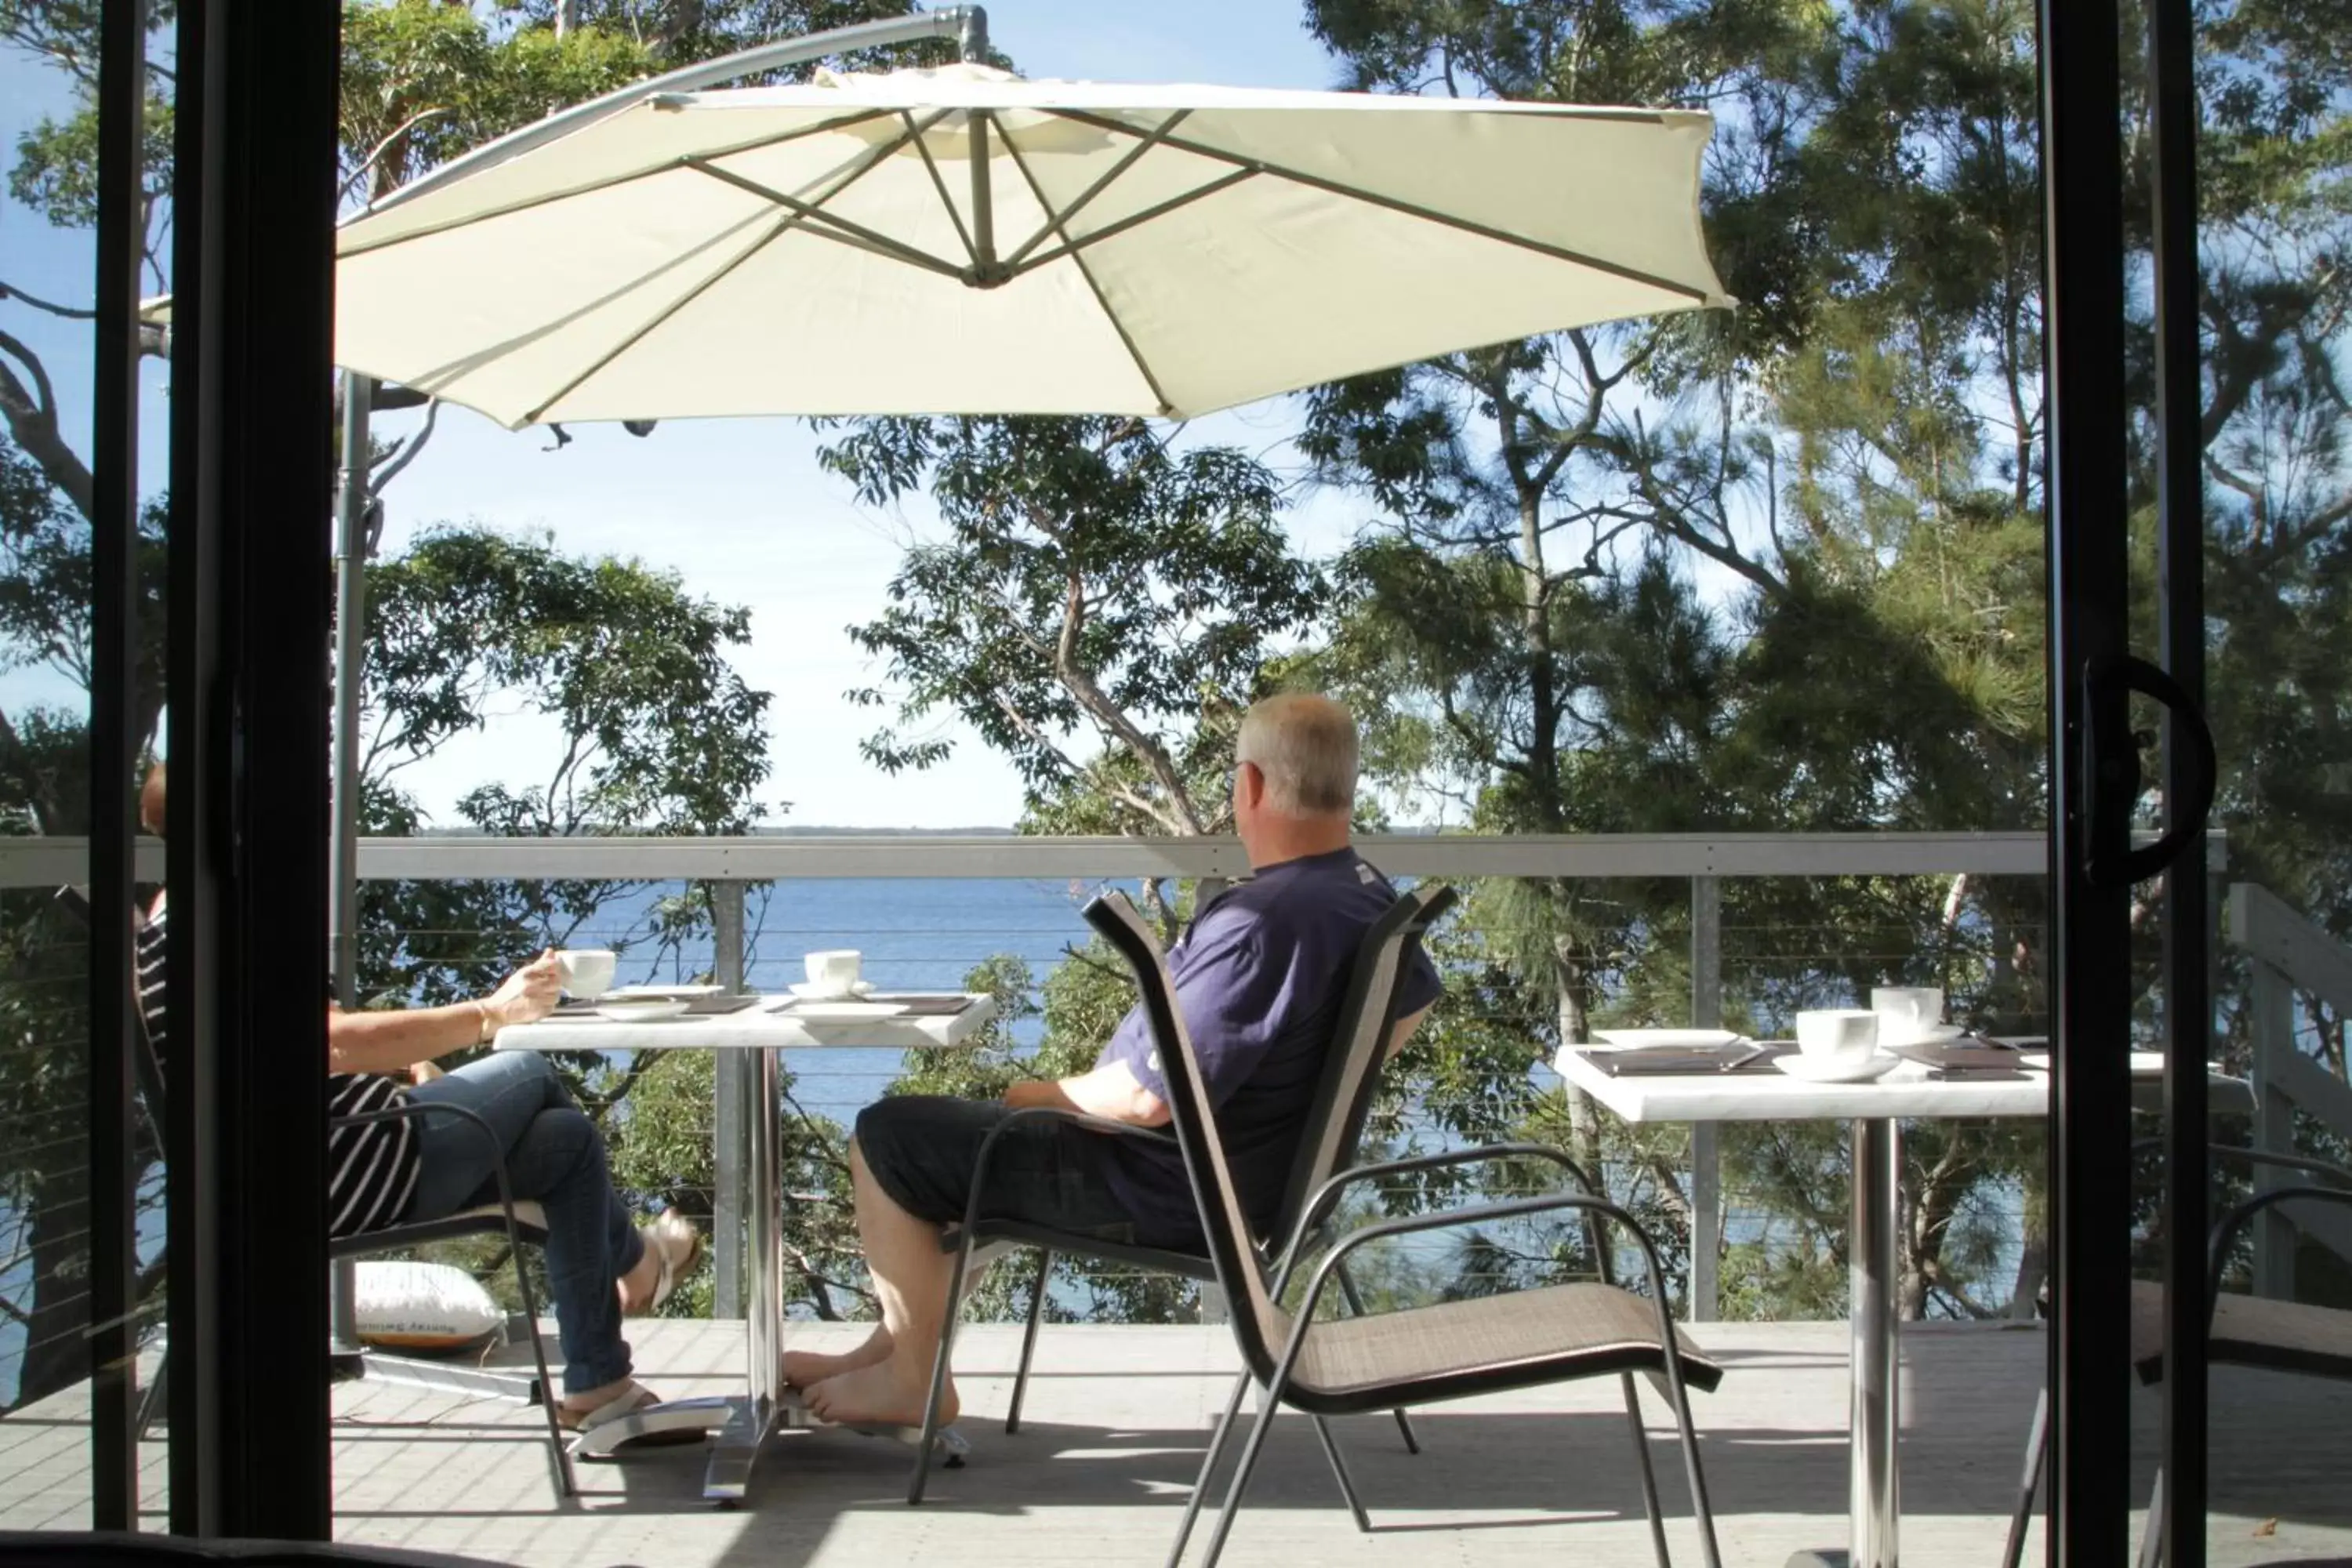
[(920, 1149)]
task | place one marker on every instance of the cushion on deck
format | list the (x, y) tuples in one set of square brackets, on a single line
[(2250, 1330), (1609, 1327)]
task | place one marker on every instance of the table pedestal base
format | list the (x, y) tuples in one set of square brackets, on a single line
[(743, 1423)]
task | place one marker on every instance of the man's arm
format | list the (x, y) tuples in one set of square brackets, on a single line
[(1110, 1091)]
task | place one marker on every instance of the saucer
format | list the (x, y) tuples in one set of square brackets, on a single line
[(643, 1010), (1813, 1070), (808, 993)]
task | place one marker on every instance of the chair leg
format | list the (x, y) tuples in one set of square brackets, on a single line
[(2151, 1538), (1029, 1340), (1650, 1504), (1208, 1470), (150, 1400), (1250, 1451), (939, 1371), (1339, 1470), (1678, 1396), (2037, 1451), (1356, 1309), (559, 1450)]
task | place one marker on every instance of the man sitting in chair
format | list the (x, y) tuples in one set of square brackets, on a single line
[(1259, 974)]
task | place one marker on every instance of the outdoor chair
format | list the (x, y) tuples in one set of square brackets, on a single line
[(1422, 1355), (519, 1222), (2241, 1331), (1335, 1125)]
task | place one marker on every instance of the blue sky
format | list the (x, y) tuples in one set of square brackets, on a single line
[(737, 507)]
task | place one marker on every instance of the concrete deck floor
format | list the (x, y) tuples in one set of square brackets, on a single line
[(1114, 1431)]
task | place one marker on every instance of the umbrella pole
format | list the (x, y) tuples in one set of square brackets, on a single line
[(351, 615)]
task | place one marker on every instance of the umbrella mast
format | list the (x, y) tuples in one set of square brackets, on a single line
[(967, 24)]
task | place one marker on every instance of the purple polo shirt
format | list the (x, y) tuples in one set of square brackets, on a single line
[(1260, 974)]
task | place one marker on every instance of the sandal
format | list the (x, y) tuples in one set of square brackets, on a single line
[(632, 1400), (677, 1246)]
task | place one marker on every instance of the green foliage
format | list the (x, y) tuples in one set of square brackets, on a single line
[(1095, 579)]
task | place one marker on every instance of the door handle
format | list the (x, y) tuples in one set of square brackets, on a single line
[(2111, 766)]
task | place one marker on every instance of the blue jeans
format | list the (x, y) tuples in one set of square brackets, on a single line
[(553, 1154)]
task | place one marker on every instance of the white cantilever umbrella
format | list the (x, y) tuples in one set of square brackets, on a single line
[(961, 240)]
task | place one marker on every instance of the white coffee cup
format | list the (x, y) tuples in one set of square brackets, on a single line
[(587, 971), (834, 972), (1907, 1009), (1838, 1034)]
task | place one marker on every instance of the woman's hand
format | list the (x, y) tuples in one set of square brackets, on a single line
[(528, 995)]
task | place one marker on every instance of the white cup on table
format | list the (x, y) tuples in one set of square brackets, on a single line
[(834, 972), (1906, 1011), (587, 971), (1838, 1034)]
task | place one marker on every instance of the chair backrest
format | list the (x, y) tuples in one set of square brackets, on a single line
[(1360, 1043), (1224, 1223)]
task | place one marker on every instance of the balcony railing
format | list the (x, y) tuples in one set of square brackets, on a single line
[(731, 866)]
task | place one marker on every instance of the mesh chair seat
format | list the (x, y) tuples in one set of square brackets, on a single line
[(2250, 1330), (1486, 1342)]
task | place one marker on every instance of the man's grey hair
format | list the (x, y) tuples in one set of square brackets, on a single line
[(1306, 747)]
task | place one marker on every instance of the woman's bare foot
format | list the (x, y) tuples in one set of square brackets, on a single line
[(888, 1394), (806, 1369)]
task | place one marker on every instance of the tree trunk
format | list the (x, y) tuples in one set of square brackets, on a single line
[(1583, 1115)]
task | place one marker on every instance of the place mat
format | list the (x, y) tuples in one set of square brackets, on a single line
[(1664, 1063), (1967, 1055), (718, 1006), (924, 1006)]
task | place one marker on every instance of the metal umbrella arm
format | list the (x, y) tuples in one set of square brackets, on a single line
[(966, 24)]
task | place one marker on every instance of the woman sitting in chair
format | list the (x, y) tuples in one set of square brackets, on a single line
[(599, 1265)]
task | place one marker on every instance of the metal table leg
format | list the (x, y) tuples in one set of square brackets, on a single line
[(742, 1421), (1874, 1499)]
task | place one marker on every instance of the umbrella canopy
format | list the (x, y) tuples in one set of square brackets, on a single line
[(963, 241)]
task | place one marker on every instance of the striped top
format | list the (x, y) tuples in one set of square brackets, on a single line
[(371, 1168)]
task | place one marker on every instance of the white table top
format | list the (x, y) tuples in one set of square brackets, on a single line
[(1906, 1091), (753, 1028)]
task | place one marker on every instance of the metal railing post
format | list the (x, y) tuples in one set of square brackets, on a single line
[(1706, 1158), (731, 1112)]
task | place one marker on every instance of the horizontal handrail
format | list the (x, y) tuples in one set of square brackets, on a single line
[(35, 862)]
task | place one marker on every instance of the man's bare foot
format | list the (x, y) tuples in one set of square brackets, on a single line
[(888, 1394), (806, 1369)]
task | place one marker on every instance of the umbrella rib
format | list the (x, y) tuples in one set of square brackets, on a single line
[(939, 183), (791, 220), (660, 316), (1409, 209), (1142, 366), (1133, 220), (832, 225), (1053, 225), (547, 198)]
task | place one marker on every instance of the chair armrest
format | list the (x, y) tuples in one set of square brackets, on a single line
[(411, 1109), (2226, 1233), (1318, 1207), (2239, 1152)]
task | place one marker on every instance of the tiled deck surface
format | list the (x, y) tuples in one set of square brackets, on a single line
[(1116, 1424)]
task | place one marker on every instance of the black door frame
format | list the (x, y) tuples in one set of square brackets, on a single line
[(248, 601), (2095, 779), (252, 467)]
